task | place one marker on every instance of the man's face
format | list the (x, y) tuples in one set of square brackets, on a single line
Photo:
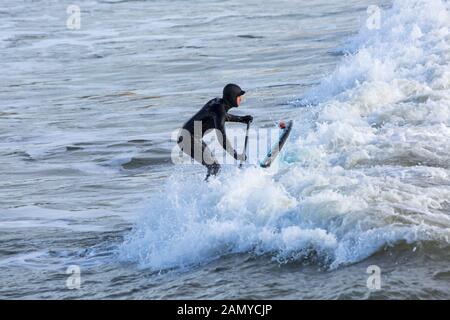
[(239, 100)]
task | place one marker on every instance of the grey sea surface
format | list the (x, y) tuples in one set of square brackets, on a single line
[(86, 120)]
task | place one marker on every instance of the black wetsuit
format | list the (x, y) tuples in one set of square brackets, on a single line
[(212, 116)]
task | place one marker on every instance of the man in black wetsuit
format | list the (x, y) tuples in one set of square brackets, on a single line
[(212, 116)]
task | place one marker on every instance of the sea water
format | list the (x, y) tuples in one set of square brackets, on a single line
[(87, 177)]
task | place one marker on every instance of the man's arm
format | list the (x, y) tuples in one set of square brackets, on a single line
[(219, 121), (233, 118)]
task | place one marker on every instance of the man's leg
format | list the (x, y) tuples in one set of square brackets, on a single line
[(209, 161), (205, 157)]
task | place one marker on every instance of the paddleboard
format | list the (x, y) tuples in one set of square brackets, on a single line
[(277, 146)]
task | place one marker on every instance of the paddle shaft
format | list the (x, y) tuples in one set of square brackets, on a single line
[(245, 143)]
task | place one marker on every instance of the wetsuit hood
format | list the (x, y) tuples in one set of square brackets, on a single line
[(230, 94)]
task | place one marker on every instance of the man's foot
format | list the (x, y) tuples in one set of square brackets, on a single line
[(212, 170)]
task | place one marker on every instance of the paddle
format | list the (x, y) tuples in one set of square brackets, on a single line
[(245, 143)]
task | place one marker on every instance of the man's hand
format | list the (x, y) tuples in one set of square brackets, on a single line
[(240, 157), (247, 119)]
